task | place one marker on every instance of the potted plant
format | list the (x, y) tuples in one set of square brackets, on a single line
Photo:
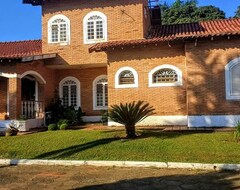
[(12, 129)]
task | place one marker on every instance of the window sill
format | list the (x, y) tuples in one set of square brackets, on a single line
[(165, 85), (127, 86), (94, 41), (100, 108)]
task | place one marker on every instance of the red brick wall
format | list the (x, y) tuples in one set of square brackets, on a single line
[(3, 97), (125, 21), (206, 76), (166, 100), (86, 78)]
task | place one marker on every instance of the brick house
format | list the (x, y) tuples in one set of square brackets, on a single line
[(99, 53)]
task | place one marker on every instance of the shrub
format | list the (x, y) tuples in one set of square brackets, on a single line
[(104, 117), (52, 127), (237, 132), (64, 126), (129, 114), (62, 121)]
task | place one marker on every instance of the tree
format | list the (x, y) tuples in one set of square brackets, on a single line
[(188, 11), (130, 114), (237, 13), (209, 13)]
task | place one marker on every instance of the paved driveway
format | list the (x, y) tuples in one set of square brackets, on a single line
[(112, 178)]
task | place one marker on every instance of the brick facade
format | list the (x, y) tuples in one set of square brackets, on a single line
[(202, 62), (125, 21)]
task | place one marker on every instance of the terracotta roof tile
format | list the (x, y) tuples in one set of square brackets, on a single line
[(179, 32), (20, 49)]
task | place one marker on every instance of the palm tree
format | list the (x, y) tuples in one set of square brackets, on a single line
[(129, 114)]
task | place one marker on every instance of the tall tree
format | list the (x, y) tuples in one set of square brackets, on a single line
[(237, 13), (188, 11)]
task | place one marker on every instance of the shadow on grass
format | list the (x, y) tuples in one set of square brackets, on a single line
[(211, 180), (66, 152)]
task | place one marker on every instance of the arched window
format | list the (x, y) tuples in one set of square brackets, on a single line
[(95, 27), (165, 75), (126, 77), (232, 79), (59, 29), (100, 93), (69, 89)]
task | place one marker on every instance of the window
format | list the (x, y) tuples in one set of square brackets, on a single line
[(232, 79), (126, 77), (100, 93), (95, 27), (69, 89), (165, 75), (59, 29)]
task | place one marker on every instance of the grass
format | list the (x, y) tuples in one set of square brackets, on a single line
[(217, 147)]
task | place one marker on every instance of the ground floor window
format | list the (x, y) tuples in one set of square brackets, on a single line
[(232, 78), (70, 92), (100, 93)]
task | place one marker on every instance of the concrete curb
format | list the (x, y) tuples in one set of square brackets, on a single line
[(163, 165)]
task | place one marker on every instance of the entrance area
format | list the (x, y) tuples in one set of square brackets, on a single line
[(32, 107)]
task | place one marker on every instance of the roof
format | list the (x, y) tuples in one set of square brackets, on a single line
[(162, 33), (20, 49)]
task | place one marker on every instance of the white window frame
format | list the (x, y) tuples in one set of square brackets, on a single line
[(165, 66), (117, 78), (60, 16), (228, 80), (85, 32), (78, 89), (95, 107)]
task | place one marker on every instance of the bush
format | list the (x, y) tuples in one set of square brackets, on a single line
[(237, 132), (62, 121), (64, 126), (52, 127)]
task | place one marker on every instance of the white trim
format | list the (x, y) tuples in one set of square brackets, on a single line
[(59, 16), (160, 120), (135, 74), (8, 100), (39, 78), (8, 75), (105, 27), (165, 66), (95, 107), (91, 118), (78, 89), (228, 81), (213, 120)]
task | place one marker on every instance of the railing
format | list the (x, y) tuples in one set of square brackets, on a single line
[(32, 109)]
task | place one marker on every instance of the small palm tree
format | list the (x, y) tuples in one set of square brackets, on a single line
[(129, 114)]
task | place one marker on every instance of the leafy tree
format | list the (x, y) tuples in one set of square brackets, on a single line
[(188, 11), (237, 13), (129, 114), (209, 13)]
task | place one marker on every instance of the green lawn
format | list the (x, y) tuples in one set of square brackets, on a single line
[(217, 147)]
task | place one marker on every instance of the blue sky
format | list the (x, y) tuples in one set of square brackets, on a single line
[(23, 22)]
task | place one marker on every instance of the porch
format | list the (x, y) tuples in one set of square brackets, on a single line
[(22, 100)]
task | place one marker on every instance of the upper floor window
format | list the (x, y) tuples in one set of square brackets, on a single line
[(100, 93), (232, 79), (165, 75), (126, 77), (59, 29), (95, 27), (69, 89)]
